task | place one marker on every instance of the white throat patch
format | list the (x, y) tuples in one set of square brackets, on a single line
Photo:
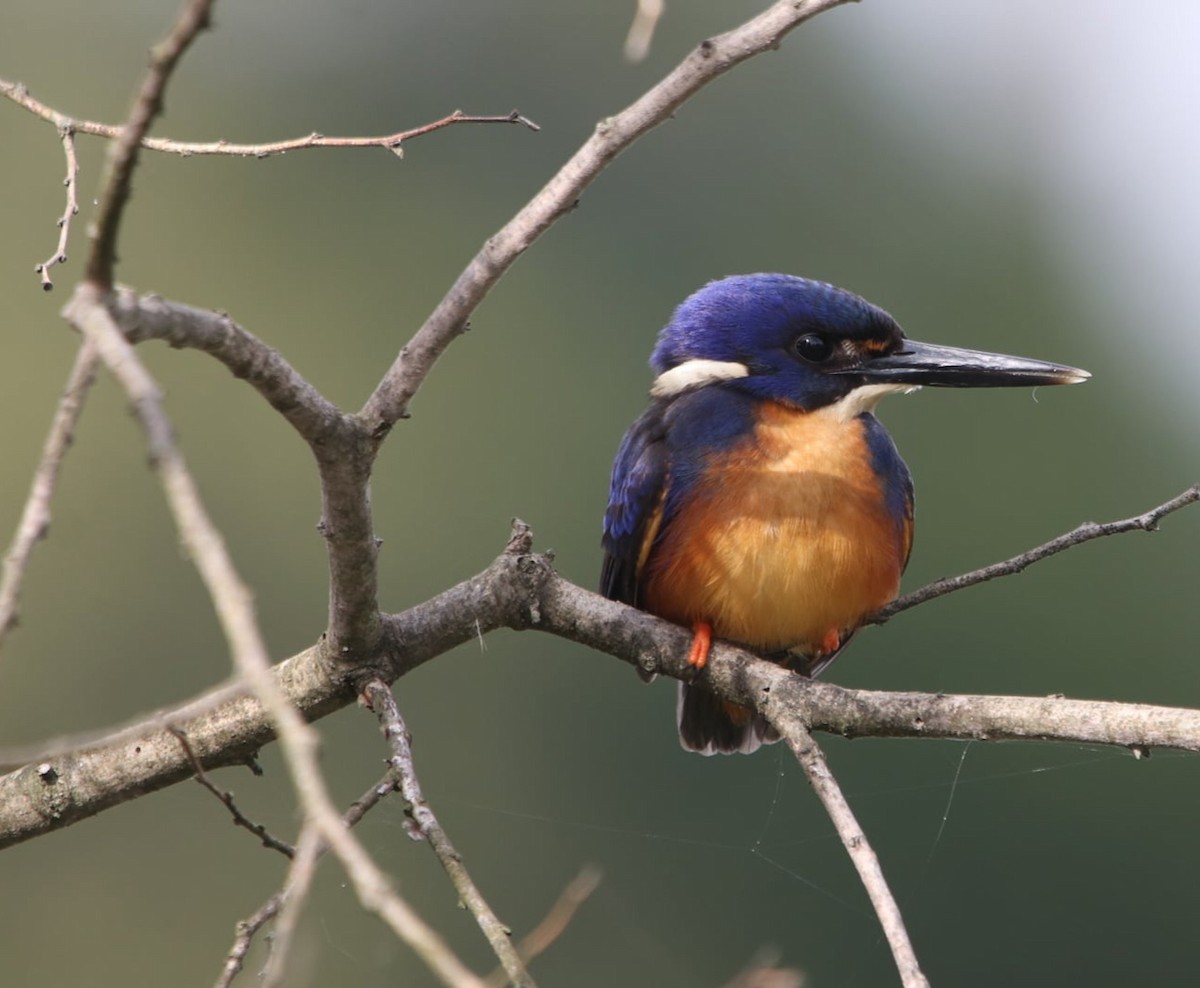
[(864, 399), (694, 374)]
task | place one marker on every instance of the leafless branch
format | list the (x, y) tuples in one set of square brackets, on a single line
[(1086, 532), (712, 58), (812, 760), (35, 518), (146, 317), (88, 312), (579, 889), (383, 704), (225, 797), (123, 153), (67, 135), (20, 95), (248, 928), (299, 881), (520, 590)]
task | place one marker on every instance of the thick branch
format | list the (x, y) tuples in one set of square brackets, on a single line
[(145, 317), (711, 59), (520, 590), (343, 450)]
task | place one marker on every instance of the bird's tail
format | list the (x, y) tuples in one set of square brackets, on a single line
[(711, 726)]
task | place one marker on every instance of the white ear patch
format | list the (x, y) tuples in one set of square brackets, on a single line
[(864, 399), (694, 374)]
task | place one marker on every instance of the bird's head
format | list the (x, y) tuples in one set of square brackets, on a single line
[(811, 346)]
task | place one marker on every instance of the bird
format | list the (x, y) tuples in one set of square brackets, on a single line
[(758, 499)]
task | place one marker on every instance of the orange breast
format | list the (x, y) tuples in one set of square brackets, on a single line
[(789, 542)]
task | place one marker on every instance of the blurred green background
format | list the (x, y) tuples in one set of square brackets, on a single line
[(1011, 176)]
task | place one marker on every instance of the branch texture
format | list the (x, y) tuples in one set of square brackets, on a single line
[(711, 59), (520, 590)]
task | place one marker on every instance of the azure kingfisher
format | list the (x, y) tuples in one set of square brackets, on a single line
[(758, 499)]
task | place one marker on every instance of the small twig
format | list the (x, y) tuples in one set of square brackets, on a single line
[(1086, 532), (35, 518), (64, 223), (554, 923), (232, 600), (299, 882), (812, 760), (20, 95), (248, 928), (226, 797), (123, 153), (383, 704)]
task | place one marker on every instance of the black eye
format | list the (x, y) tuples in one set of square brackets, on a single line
[(814, 347)]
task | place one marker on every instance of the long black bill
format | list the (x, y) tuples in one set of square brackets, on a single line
[(954, 367)]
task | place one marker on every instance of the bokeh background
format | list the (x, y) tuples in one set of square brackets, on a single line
[(1011, 176)]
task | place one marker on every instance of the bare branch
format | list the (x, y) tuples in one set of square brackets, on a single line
[(88, 312), (123, 154), (225, 797), (383, 704), (248, 928), (299, 881), (520, 590), (20, 95), (71, 182), (712, 58), (812, 760), (579, 889), (1086, 532), (145, 317), (35, 518)]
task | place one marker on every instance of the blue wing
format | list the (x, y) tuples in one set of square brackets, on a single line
[(635, 499)]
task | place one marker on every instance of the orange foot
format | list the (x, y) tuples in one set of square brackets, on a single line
[(831, 642), (701, 644)]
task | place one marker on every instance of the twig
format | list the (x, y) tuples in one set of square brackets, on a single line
[(812, 760), (299, 882), (226, 797), (20, 95), (1086, 532), (579, 889), (67, 134), (69, 126), (35, 518), (123, 153), (641, 31), (715, 56), (248, 928), (383, 704)]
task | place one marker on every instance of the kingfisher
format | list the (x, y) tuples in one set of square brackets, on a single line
[(758, 499)]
